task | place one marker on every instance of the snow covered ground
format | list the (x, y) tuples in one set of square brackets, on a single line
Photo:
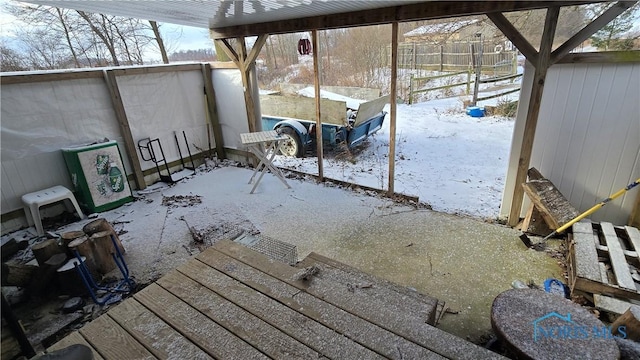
[(454, 162)]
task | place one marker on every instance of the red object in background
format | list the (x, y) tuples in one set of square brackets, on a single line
[(304, 47)]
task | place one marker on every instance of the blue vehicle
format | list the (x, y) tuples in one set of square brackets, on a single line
[(357, 127)]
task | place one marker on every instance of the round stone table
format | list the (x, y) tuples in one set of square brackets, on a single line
[(537, 325)]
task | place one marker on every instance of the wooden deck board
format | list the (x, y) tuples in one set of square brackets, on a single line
[(410, 327), (380, 289), (71, 339), (278, 313), (153, 333), (618, 261), (233, 303), (257, 332), (209, 336), (112, 341)]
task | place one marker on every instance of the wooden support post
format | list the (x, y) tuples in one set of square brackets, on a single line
[(542, 65), (441, 58), (125, 130), (316, 84), (392, 106), (212, 109)]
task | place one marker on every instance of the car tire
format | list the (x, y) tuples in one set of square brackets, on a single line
[(292, 146)]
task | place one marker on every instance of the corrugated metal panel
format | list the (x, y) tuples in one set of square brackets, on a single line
[(588, 136), (207, 14)]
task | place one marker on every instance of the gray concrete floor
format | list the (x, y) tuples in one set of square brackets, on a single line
[(461, 261)]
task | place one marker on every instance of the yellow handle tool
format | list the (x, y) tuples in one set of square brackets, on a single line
[(593, 209)]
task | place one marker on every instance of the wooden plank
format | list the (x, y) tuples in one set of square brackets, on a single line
[(634, 218), (514, 36), (155, 69), (255, 331), (603, 273), (393, 108), (284, 307), (591, 28), (533, 110), (370, 109), (318, 105), (125, 130), (634, 238), (413, 301), (222, 65), (618, 261), (199, 329), (610, 304), (552, 205), (597, 287), (153, 333), (410, 326), (112, 341), (333, 111), (212, 109), (385, 15), (62, 75), (71, 339), (586, 257)]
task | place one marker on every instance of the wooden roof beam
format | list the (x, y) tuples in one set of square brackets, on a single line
[(592, 28), (410, 12), (514, 36)]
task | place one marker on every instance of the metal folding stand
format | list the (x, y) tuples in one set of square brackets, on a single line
[(126, 285)]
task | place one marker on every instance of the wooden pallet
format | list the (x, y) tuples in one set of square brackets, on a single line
[(604, 260)]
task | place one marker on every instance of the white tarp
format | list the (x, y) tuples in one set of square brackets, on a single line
[(159, 104), (232, 113)]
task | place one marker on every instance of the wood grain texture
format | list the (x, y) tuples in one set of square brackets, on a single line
[(112, 341), (195, 326), (71, 339), (409, 326), (153, 333), (618, 260), (234, 318), (282, 306)]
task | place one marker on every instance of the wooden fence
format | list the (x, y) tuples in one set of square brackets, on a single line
[(455, 57), (417, 85)]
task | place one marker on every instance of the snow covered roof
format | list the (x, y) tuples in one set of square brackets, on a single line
[(441, 28)]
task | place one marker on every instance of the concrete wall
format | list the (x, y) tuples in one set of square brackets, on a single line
[(587, 140)]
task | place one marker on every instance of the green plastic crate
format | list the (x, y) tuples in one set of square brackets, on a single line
[(98, 176)]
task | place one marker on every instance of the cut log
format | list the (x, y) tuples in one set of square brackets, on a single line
[(45, 250), (553, 206), (631, 322), (44, 279), (69, 278), (84, 247), (17, 274), (102, 250), (68, 237), (11, 247), (102, 225)]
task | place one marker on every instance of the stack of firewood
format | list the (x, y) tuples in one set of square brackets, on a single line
[(56, 257)]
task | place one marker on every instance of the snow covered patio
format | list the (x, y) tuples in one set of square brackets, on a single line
[(461, 261)]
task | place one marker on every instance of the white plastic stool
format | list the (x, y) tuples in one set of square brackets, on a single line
[(33, 201)]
